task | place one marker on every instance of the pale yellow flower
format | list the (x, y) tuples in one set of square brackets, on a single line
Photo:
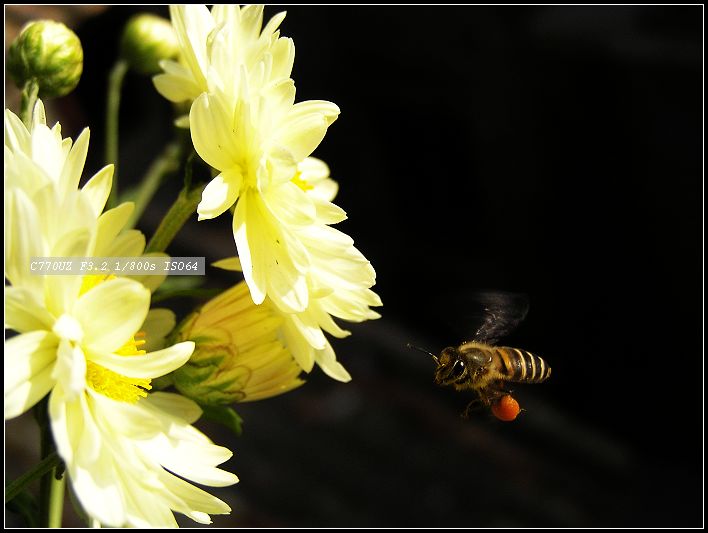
[(47, 214), (257, 146), (40, 156), (119, 443), (340, 278), (340, 287), (219, 47), (245, 124), (80, 342)]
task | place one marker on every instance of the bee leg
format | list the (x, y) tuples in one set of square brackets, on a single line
[(474, 405), (497, 392)]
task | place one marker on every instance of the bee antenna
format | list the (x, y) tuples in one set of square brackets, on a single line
[(435, 357)]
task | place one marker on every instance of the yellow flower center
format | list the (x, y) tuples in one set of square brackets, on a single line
[(302, 183), (116, 386), (90, 281), (107, 382)]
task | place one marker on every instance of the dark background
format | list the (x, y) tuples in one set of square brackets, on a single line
[(555, 151)]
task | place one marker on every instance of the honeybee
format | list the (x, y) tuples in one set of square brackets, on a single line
[(484, 367)]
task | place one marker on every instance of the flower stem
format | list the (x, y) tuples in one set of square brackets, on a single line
[(51, 489), (167, 162), (115, 83), (56, 498), (29, 98), (43, 467), (179, 213)]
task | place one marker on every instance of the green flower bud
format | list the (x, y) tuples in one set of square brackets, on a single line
[(148, 39), (49, 53), (238, 354)]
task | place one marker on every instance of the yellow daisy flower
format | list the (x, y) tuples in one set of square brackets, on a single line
[(217, 47), (121, 445)]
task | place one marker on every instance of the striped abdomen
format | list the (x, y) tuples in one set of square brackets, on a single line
[(521, 366)]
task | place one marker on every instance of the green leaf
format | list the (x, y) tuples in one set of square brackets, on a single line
[(225, 416), (26, 506), (14, 488), (185, 293)]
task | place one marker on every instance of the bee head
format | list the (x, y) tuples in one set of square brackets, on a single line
[(450, 367), (447, 356)]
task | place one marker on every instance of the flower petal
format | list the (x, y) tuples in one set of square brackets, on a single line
[(23, 312), (212, 133), (158, 324), (290, 205), (17, 138), (327, 361), (254, 278), (89, 461), (130, 243), (305, 126), (98, 188), (301, 350), (303, 135), (219, 194), (277, 259), (74, 164), (229, 263), (189, 460), (70, 369), (193, 24), (23, 239), (111, 313), (151, 281), (194, 499), (327, 212), (175, 405), (29, 360), (283, 52), (327, 110), (48, 152), (177, 84), (60, 293), (110, 224), (65, 436), (308, 328), (148, 366)]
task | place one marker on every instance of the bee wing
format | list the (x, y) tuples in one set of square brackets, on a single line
[(500, 313)]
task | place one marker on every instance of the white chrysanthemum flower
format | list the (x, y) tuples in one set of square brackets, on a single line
[(47, 215), (40, 156), (245, 124), (218, 47), (78, 343), (340, 278), (339, 281), (121, 446), (257, 146)]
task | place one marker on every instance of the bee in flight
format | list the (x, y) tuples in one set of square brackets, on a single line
[(484, 367)]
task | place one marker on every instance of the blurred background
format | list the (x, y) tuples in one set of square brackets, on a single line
[(549, 150)]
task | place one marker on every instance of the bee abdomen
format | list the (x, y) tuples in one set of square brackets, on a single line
[(522, 366)]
